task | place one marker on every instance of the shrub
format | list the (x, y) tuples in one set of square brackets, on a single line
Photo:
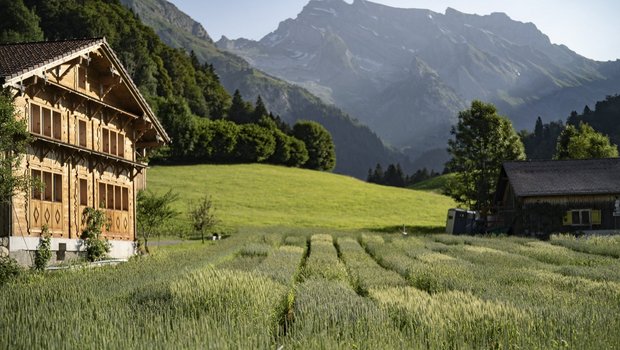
[(96, 248), (9, 269), (44, 251)]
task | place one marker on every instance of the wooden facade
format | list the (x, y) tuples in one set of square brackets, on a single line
[(91, 130), (542, 197)]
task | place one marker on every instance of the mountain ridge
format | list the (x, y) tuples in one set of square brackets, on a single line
[(490, 57)]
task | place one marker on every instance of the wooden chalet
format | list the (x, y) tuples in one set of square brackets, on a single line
[(541, 197), (91, 129)]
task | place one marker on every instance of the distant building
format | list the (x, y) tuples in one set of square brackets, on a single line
[(91, 129), (541, 197)]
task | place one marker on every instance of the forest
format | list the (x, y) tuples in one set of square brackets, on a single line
[(205, 123)]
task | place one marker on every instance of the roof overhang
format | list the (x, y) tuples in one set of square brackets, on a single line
[(16, 80)]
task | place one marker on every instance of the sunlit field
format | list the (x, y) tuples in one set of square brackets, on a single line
[(311, 289)]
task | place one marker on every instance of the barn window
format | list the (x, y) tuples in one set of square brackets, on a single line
[(35, 119), (583, 217), (113, 143), (106, 140), (117, 195), (48, 191), (110, 197), (57, 188), (57, 122), (82, 133), (36, 189), (121, 145), (83, 192), (47, 122), (125, 199), (102, 196)]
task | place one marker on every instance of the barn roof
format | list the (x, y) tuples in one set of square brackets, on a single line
[(563, 177), (20, 61)]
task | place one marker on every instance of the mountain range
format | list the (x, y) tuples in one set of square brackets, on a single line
[(357, 147), (407, 72)]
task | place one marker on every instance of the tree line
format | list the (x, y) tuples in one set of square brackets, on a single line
[(246, 133), (394, 176), (591, 134)]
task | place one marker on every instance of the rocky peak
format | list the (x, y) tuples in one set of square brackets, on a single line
[(170, 13)]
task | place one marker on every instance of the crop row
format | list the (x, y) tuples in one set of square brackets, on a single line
[(264, 290), (528, 292)]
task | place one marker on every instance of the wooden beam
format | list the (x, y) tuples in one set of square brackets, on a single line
[(59, 97), (94, 100), (35, 88), (148, 144), (126, 123), (69, 68), (75, 105), (113, 118)]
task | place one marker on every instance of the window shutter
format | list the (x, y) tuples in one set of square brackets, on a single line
[(596, 217), (568, 219)]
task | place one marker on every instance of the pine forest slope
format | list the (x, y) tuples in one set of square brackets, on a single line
[(357, 147), (264, 195), (407, 72)]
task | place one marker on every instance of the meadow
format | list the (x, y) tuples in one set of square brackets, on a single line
[(310, 288), (308, 267), (262, 195)]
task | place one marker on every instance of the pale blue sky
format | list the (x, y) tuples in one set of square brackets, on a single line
[(589, 27)]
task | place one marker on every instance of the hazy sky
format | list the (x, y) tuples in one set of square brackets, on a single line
[(589, 27)]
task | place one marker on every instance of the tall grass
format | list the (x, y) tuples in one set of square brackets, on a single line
[(327, 291)]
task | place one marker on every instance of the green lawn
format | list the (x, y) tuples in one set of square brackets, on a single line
[(435, 184), (264, 195)]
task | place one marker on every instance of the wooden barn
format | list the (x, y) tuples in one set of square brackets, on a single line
[(92, 130), (541, 197)]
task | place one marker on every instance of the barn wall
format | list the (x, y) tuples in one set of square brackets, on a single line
[(547, 215)]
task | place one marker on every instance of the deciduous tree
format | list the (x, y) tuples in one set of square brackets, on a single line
[(583, 142), (483, 140), (153, 212), (202, 216), (319, 143)]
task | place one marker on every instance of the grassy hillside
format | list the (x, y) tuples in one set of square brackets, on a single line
[(436, 184), (263, 195)]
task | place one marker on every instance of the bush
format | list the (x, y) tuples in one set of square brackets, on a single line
[(9, 269), (44, 250), (96, 248)]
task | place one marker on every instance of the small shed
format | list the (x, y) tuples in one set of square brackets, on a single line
[(541, 197), (460, 221)]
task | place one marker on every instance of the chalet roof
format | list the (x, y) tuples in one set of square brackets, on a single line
[(20, 61), (563, 177), (19, 58)]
